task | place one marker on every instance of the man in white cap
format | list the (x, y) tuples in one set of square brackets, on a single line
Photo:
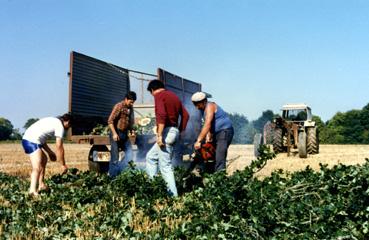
[(217, 128)]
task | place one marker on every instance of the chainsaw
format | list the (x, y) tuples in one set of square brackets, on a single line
[(203, 158)]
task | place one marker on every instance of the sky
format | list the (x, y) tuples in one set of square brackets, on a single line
[(251, 55)]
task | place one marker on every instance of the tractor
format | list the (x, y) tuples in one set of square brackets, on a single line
[(295, 129)]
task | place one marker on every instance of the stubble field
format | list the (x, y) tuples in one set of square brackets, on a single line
[(13, 161)]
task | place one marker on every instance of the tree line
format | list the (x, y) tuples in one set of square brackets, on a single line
[(8, 132), (351, 127)]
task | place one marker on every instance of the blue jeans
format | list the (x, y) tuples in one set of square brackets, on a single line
[(161, 159), (117, 165), (223, 139)]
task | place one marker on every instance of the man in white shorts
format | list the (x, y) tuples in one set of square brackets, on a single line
[(34, 142)]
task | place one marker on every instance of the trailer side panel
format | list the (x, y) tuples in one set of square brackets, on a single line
[(95, 86)]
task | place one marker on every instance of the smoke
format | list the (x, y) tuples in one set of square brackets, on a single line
[(183, 147), (188, 137)]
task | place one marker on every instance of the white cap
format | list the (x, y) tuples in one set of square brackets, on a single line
[(198, 96)]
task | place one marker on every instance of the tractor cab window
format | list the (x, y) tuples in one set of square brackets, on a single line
[(295, 115)]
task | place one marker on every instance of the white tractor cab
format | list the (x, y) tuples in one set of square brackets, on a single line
[(296, 112)]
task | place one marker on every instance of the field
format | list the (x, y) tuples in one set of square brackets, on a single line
[(329, 154), (13, 161), (329, 204)]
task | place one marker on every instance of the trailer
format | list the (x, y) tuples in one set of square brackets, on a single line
[(95, 86)]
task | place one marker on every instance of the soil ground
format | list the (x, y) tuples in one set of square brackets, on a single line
[(13, 161)]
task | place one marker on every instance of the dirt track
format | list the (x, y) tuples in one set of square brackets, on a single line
[(15, 162), (329, 154)]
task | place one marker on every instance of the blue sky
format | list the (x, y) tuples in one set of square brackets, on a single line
[(250, 55)]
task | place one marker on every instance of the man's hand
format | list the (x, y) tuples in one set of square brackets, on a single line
[(132, 133), (132, 136), (65, 169), (197, 145), (52, 156), (116, 137), (209, 137), (159, 141)]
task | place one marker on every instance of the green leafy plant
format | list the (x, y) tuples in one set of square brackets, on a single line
[(100, 130), (328, 204)]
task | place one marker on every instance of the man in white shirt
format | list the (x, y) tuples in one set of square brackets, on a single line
[(34, 144)]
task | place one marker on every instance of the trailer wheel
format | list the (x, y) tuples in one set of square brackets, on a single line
[(278, 140), (312, 140), (100, 167), (302, 145)]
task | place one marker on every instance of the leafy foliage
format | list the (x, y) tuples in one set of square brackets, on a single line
[(244, 131), (259, 123), (351, 127), (29, 122), (6, 129), (7, 132), (15, 135), (101, 130), (145, 126), (329, 204)]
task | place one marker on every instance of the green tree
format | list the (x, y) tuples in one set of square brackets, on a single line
[(334, 129), (6, 129), (16, 135), (319, 122), (259, 123), (243, 131), (364, 119), (346, 128), (30, 122)]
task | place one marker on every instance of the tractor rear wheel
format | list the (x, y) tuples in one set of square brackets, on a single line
[(312, 140), (278, 140), (302, 145)]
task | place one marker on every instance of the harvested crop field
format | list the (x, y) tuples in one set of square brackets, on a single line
[(83, 205), (13, 161)]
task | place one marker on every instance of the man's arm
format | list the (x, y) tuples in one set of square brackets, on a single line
[(161, 115), (51, 154), (113, 115), (131, 119), (60, 153), (114, 132), (131, 132), (159, 136), (184, 119), (209, 115)]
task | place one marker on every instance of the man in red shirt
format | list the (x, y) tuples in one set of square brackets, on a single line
[(171, 119)]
